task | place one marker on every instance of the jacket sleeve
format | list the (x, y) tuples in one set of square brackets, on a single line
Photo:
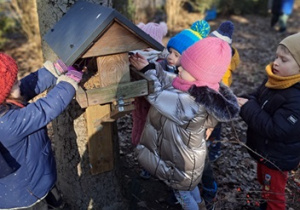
[(276, 124), (36, 83), (175, 105), (22, 122), (235, 60)]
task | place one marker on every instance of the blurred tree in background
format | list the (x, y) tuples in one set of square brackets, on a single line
[(22, 14), (19, 18), (172, 11), (8, 23)]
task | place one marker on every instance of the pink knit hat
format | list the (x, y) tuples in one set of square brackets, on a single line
[(207, 61), (156, 30)]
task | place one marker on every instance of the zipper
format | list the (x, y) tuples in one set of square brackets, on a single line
[(262, 106)]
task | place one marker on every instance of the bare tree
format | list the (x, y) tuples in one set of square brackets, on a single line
[(25, 12), (172, 10)]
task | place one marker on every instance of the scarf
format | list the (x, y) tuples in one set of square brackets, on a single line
[(184, 85), (278, 82), (15, 103)]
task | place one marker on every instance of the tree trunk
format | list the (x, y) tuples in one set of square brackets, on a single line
[(27, 16), (172, 10), (81, 189)]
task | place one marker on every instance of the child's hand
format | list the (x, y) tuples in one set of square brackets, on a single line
[(241, 101), (138, 61)]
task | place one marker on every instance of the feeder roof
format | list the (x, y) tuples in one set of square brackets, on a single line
[(81, 33)]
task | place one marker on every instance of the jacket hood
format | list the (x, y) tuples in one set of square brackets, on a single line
[(222, 105)]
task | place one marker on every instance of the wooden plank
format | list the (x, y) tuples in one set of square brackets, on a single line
[(81, 97), (114, 92), (113, 69), (116, 39), (100, 142), (136, 75)]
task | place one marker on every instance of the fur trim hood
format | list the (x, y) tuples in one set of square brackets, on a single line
[(222, 105)]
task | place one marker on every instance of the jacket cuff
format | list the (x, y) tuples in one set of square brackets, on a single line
[(148, 67), (67, 79), (50, 67)]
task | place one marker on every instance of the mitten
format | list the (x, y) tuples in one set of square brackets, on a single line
[(60, 67), (57, 68), (72, 76)]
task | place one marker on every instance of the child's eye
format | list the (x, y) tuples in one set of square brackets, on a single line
[(283, 59)]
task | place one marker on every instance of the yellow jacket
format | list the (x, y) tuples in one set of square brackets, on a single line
[(235, 61)]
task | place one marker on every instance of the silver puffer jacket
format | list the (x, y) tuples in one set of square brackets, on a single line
[(172, 145)]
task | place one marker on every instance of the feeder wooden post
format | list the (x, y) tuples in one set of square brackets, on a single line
[(100, 139)]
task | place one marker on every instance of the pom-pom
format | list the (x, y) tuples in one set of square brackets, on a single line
[(164, 27), (226, 28), (202, 27)]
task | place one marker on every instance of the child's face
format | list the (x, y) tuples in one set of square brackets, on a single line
[(183, 74), (173, 57), (284, 64), (15, 90)]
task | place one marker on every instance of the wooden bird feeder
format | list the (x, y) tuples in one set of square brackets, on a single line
[(101, 38)]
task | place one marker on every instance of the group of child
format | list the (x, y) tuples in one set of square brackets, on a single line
[(188, 101)]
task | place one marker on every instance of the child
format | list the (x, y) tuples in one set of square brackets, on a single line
[(272, 115), (224, 32), (209, 185), (29, 166), (175, 46), (172, 145), (157, 32)]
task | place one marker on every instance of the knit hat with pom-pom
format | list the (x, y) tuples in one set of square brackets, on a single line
[(156, 30), (224, 32), (181, 41), (8, 75)]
